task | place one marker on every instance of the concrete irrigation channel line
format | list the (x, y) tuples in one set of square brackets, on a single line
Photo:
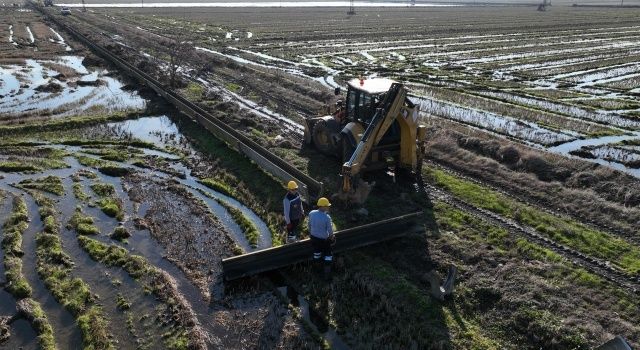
[(352, 238), (591, 264), (271, 163)]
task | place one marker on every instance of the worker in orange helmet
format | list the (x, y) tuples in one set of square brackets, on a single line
[(322, 237), (293, 211)]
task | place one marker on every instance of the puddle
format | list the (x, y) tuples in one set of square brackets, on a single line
[(601, 144), (9, 84), (255, 108), (23, 336), (31, 38), (152, 129), (366, 55), (61, 95), (263, 4), (61, 320), (536, 53), (101, 283), (573, 111), (504, 125), (327, 80), (60, 39), (11, 36)]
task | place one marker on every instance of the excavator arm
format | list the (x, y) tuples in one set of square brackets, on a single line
[(382, 120)]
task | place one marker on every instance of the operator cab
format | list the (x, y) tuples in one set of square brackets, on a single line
[(363, 96)]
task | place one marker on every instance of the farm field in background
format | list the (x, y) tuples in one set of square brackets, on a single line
[(530, 186)]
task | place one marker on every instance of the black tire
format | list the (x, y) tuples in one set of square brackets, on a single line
[(325, 135)]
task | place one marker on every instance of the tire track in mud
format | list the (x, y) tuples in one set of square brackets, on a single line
[(99, 277), (627, 236), (22, 335), (62, 321), (142, 242), (591, 264)]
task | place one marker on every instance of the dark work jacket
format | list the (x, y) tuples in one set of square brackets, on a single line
[(292, 207)]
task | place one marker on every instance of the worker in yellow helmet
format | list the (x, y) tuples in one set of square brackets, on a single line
[(322, 238), (293, 211)]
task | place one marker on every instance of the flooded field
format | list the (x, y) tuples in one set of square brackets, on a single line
[(558, 86), (116, 209)]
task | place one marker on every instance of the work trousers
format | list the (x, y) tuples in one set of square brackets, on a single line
[(321, 249), (293, 231)]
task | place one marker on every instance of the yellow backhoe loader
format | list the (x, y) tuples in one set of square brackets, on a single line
[(377, 128)]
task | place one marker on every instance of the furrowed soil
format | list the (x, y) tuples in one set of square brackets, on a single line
[(532, 119)]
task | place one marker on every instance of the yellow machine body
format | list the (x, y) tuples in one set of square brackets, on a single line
[(379, 128)]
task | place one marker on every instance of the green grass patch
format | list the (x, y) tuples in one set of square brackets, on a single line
[(249, 229), (548, 329), (112, 207), (54, 267), (116, 153), (64, 123), (535, 251), (122, 303), (233, 87), (120, 233), (79, 193), (93, 143), (138, 268), (18, 166), (94, 328), (219, 186), (14, 227), (51, 184), (31, 158), (193, 91), (469, 226), (89, 161), (562, 230), (42, 326), (108, 203), (83, 224), (114, 170), (103, 189)]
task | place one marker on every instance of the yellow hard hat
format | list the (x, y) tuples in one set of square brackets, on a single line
[(292, 185), (323, 202)]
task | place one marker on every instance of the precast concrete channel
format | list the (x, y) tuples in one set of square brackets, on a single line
[(276, 166), (591, 264)]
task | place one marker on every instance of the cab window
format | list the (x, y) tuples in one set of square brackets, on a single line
[(352, 98), (364, 107)]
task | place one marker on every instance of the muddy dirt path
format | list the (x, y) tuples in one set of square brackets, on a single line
[(105, 282), (61, 320), (21, 333)]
